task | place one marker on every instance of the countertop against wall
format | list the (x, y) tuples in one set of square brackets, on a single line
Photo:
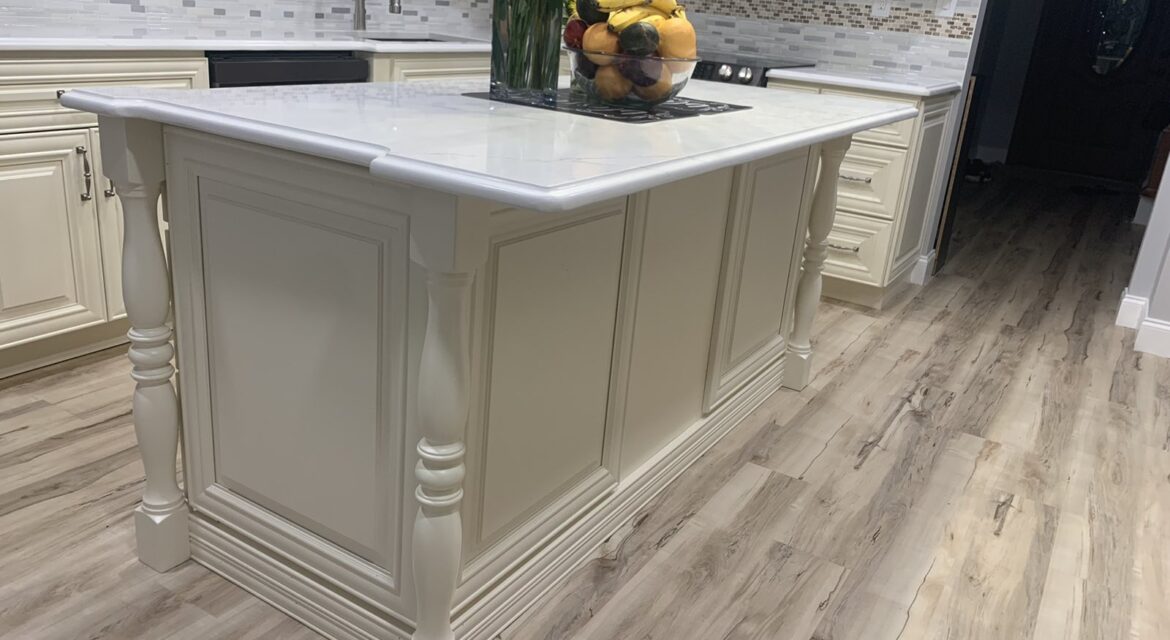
[(90, 39), (871, 79)]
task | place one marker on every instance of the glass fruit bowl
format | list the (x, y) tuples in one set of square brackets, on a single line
[(624, 80)]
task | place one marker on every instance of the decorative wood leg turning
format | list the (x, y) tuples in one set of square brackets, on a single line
[(442, 416), (798, 365), (134, 160)]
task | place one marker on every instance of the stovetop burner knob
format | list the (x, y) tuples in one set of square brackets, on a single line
[(744, 75), (724, 72)]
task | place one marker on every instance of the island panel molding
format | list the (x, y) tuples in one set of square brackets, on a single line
[(372, 369)]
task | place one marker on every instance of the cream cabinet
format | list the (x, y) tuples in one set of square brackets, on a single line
[(60, 222), (50, 244), (408, 67), (884, 198)]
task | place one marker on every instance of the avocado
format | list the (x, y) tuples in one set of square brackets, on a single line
[(590, 11), (639, 39)]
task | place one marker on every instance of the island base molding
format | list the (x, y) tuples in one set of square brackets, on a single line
[(247, 563)]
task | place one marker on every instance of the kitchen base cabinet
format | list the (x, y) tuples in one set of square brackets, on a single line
[(50, 247), (310, 303), (885, 195), (60, 219), (407, 67)]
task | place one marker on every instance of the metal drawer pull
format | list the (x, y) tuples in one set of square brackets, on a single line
[(840, 248), (110, 192), (850, 178), (88, 195)]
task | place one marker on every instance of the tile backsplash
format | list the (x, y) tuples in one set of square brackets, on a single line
[(842, 34), (906, 16), (233, 18), (834, 46)]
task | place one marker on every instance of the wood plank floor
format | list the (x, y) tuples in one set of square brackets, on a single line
[(987, 459)]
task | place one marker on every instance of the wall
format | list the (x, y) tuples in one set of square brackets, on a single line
[(235, 18), (1145, 304), (842, 34), (1005, 83)]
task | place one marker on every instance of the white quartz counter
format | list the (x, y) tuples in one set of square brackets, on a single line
[(906, 83), (16, 39), (430, 135)]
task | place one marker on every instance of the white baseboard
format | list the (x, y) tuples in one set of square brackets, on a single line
[(1145, 208), (1132, 310), (1153, 337), (923, 269), (990, 154)]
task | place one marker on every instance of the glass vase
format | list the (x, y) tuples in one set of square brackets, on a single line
[(526, 50)]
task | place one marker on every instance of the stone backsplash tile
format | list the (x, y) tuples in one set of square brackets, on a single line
[(905, 17), (833, 46), (235, 18)]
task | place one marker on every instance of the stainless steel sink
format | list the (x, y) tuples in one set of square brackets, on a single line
[(390, 36), (407, 39)]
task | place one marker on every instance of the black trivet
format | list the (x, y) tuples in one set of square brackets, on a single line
[(677, 107)]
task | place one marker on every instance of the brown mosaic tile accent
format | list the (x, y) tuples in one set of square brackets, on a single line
[(912, 19)]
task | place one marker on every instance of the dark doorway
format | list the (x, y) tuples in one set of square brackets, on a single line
[(1098, 89)]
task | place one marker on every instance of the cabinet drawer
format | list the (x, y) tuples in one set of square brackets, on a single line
[(794, 86), (870, 180), (28, 88), (858, 248), (899, 134), (410, 69)]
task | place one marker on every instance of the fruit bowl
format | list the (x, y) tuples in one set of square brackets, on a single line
[(624, 80)]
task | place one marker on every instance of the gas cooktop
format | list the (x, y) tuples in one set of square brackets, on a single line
[(741, 68)]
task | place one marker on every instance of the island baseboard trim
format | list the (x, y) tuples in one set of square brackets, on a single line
[(333, 614)]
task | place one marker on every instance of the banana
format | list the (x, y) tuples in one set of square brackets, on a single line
[(609, 6), (665, 6), (619, 20)]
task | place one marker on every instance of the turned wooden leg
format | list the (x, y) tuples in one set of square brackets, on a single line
[(798, 365), (442, 417), (134, 163)]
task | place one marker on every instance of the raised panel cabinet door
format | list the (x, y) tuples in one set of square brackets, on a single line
[(50, 259)]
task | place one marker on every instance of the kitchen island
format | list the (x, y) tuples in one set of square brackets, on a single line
[(433, 349)]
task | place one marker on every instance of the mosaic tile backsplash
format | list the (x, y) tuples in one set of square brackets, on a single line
[(830, 33), (834, 46), (235, 18), (918, 16)]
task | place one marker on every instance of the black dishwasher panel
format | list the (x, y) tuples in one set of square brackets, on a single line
[(262, 68)]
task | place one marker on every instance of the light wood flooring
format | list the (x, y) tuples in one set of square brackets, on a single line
[(987, 459)]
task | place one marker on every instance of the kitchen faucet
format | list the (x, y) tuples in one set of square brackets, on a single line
[(359, 12)]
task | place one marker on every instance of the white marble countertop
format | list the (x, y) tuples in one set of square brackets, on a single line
[(17, 39), (902, 82), (428, 134)]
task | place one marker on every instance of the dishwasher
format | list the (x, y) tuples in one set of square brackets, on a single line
[(264, 68)]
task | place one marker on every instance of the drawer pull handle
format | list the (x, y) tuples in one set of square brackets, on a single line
[(110, 192), (840, 248), (845, 176), (88, 195)]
